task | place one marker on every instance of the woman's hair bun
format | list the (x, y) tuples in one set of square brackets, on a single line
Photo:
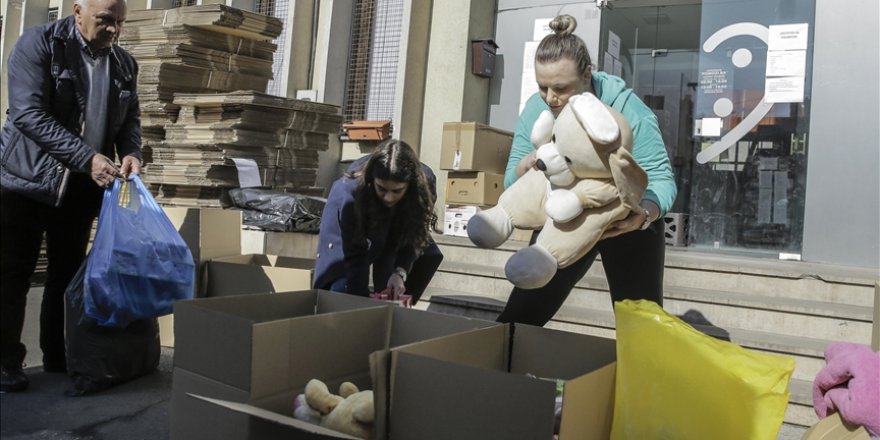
[(563, 25)]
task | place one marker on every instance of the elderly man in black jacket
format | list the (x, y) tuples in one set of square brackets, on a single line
[(72, 107)]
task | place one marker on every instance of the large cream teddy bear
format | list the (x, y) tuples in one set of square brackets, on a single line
[(588, 179)]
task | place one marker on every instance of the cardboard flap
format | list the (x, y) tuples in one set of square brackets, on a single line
[(466, 397), (340, 342), (380, 373), (411, 325), (329, 302), (257, 273), (262, 414), (558, 354), (482, 348), (230, 279), (589, 405), (226, 358), (258, 308)]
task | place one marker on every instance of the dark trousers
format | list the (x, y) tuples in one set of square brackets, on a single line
[(633, 265), (22, 224), (417, 279)]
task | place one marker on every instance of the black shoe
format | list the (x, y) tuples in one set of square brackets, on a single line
[(12, 379)]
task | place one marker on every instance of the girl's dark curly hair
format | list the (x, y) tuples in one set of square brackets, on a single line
[(413, 216)]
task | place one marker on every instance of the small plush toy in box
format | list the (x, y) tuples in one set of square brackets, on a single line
[(350, 412)]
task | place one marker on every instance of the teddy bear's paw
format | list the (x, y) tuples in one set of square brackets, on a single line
[(531, 267), (542, 130), (302, 411), (562, 206), (319, 398), (490, 228)]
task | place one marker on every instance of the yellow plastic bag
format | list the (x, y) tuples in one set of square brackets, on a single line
[(674, 382)]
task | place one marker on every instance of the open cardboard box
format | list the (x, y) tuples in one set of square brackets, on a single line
[(241, 360), (474, 385), (255, 273), (209, 233)]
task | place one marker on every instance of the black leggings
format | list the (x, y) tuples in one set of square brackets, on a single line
[(633, 265)]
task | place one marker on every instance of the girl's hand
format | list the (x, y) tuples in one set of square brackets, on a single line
[(396, 283)]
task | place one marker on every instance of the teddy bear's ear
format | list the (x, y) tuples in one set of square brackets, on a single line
[(595, 117), (542, 131)]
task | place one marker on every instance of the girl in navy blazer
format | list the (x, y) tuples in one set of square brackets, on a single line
[(380, 214)]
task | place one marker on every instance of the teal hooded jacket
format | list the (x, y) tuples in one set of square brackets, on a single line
[(648, 148)]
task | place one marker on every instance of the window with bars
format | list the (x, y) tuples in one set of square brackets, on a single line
[(179, 3), (278, 9), (373, 59)]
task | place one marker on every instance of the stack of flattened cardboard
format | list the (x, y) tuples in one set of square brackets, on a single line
[(203, 51), (201, 71), (218, 49), (281, 135)]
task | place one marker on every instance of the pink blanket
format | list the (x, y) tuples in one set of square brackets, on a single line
[(850, 384)]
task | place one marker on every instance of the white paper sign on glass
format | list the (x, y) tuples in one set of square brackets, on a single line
[(788, 36)]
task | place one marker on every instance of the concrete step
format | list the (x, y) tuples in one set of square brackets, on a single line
[(799, 412), (788, 316), (686, 268), (807, 352)]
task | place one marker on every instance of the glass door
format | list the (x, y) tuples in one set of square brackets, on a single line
[(729, 83), (655, 49)]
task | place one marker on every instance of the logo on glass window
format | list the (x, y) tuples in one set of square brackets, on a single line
[(723, 107)]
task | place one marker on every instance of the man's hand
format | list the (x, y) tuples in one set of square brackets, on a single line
[(130, 165), (103, 170)]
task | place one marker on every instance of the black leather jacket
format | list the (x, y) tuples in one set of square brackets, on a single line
[(40, 144)]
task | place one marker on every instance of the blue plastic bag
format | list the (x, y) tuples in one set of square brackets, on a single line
[(139, 264)]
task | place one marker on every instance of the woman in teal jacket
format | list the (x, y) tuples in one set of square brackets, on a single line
[(633, 249)]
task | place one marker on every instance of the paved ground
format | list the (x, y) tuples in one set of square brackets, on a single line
[(137, 410)]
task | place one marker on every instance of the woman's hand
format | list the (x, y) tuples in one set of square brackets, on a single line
[(526, 163), (633, 221)]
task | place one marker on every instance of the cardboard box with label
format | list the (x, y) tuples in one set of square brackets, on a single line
[(471, 146), (241, 360), (455, 219), (247, 274), (500, 382), (473, 188)]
